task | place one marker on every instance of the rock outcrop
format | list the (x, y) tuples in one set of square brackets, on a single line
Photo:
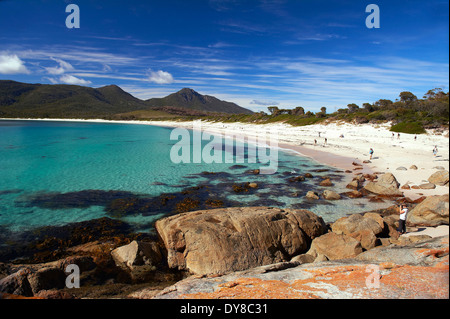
[(334, 246), (386, 185), (433, 211), (439, 178), (230, 239), (137, 253), (355, 223), (331, 195), (417, 270), (138, 258)]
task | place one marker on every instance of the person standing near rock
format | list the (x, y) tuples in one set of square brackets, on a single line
[(403, 211), (371, 153)]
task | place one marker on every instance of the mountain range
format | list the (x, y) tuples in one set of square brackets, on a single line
[(23, 100)]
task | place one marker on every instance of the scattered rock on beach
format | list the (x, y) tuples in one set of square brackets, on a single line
[(354, 184), (136, 254), (312, 195), (331, 195), (440, 178), (427, 186), (366, 237), (353, 194), (433, 211), (47, 278), (296, 179), (17, 284), (326, 182), (355, 223), (385, 184), (335, 246)]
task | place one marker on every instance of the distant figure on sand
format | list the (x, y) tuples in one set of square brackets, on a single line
[(403, 211), (315, 142), (398, 136), (415, 137), (325, 141), (435, 150), (371, 153)]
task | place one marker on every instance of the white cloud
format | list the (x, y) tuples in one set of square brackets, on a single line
[(62, 68), (264, 103), (160, 77), (52, 80), (12, 64), (79, 54), (70, 79)]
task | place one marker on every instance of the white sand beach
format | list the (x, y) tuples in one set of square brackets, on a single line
[(391, 153)]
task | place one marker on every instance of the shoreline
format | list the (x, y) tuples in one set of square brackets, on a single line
[(333, 154), (392, 154), (321, 156)]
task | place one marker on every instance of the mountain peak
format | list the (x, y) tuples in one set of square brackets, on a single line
[(190, 99), (111, 87), (188, 92)]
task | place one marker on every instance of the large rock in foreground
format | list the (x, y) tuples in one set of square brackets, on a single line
[(415, 271), (386, 185), (231, 239), (433, 211)]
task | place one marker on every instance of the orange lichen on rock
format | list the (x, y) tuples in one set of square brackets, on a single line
[(392, 281), (418, 282), (11, 296), (253, 288), (436, 253)]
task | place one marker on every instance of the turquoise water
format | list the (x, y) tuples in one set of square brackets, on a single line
[(40, 160)]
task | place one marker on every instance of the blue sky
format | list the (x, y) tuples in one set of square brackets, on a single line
[(289, 53)]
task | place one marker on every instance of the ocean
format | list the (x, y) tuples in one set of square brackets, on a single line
[(55, 173)]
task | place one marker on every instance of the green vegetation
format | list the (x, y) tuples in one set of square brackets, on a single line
[(408, 127), (189, 99), (23, 100), (408, 114)]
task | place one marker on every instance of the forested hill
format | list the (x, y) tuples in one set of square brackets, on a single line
[(23, 100), (408, 114)]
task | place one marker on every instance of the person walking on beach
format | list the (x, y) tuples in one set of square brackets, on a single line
[(403, 211), (325, 141), (371, 153), (315, 142), (398, 136), (435, 151)]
